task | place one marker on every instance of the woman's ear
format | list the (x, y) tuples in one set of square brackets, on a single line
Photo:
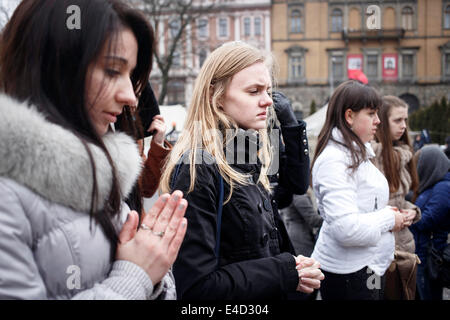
[(349, 116)]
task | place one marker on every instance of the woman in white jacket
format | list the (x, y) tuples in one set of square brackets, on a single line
[(355, 245)]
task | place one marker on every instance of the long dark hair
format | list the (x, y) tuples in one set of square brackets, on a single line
[(349, 95), (391, 160), (45, 63)]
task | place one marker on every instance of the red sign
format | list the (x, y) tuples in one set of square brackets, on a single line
[(390, 66), (355, 67)]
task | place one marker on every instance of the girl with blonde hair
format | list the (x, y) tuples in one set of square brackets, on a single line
[(225, 150)]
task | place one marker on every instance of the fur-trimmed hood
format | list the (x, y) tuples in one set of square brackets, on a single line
[(52, 161)]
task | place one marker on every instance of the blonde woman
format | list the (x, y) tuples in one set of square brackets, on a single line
[(225, 140)]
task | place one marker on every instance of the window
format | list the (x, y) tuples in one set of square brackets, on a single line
[(247, 26), (201, 57), (258, 26), (202, 28), (407, 18), (176, 59), (175, 92), (407, 66), (336, 20), (447, 65), (296, 67), (296, 21), (372, 66), (296, 61), (447, 17), (174, 27), (337, 68), (223, 27), (445, 62)]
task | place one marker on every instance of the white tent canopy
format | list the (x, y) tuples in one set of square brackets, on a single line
[(175, 114)]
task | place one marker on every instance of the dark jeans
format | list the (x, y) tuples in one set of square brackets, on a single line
[(359, 285)]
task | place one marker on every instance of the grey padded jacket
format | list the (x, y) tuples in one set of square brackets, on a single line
[(49, 247)]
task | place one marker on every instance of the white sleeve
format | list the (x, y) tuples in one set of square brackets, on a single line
[(337, 192)]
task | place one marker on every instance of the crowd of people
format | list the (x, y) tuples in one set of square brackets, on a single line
[(233, 220)]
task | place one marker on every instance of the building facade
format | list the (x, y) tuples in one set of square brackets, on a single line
[(402, 46), (226, 20)]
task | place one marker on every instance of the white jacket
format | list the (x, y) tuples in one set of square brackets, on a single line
[(355, 232)]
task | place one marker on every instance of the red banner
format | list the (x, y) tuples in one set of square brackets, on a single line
[(390, 66), (355, 67)]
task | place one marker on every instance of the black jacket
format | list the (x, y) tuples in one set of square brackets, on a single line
[(256, 256), (294, 173)]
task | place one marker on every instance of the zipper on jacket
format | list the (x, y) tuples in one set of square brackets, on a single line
[(376, 204)]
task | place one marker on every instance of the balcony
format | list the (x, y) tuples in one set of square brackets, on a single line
[(368, 35)]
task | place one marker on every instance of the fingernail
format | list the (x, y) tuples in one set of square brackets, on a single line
[(181, 206), (183, 222)]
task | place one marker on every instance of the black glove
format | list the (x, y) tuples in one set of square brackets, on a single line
[(283, 109)]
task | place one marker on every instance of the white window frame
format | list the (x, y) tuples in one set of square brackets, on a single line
[(219, 30), (257, 30), (205, 28), (245, 25)]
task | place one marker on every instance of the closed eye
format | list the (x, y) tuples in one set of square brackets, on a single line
[(112, 73)]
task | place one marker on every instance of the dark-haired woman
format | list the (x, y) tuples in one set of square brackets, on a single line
[(354, 246), (64, 172), (394, 157)]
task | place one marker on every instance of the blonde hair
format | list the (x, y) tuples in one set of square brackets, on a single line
[(204, 114)]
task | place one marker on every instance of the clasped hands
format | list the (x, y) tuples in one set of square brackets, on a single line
[(309, 274), (403, 218), (155, 244)]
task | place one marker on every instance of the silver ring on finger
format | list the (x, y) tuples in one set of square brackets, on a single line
[(145, 227)]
